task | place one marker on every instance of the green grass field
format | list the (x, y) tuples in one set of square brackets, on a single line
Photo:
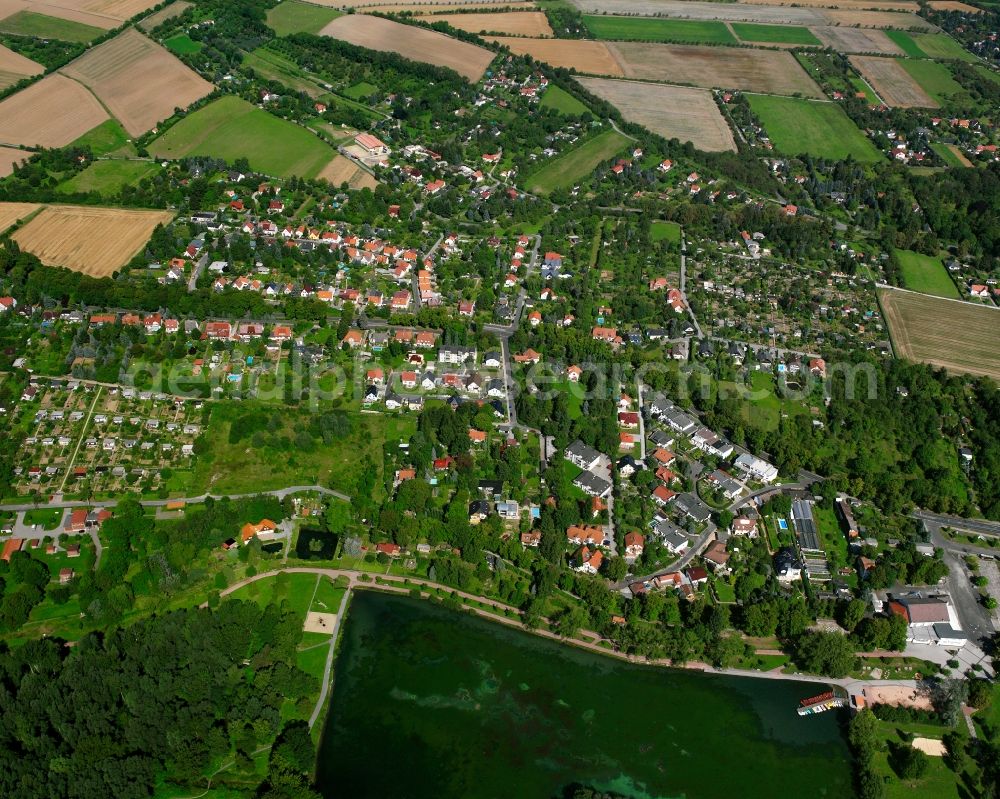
[(571, 167), (273, 66), (947, 155), (562, 101), (109, 177), (779, 34), (926, 274), (988, 74), (934, 78), (360, 90), (668, 231), (105, 138), (942, 46), (231, 128), (802, 126), (28, 23), (182, 44), (906, 43), (937, 782), (658, 30), (47, 518), (293, 17)]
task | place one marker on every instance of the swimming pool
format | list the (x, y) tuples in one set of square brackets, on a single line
[(782, 524)]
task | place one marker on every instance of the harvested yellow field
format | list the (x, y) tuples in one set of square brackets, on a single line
[(674, 112), (858, 5), (51, 113), (516, 23), (588, 57), (954, 5), (418, 44), (11, 212), (9, 158), (95, 241), (876, 19), (766, 71), (892, 83), (167, 12), (14, 67), (857, 40), (139, 81), (104, 14), (344, 170), (418, 9)]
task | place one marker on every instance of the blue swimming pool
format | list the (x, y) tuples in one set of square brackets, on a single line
[(782, 524)]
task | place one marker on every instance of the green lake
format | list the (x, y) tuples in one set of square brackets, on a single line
[(429, 702)]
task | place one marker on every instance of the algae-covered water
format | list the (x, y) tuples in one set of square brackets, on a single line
[(429, 702)]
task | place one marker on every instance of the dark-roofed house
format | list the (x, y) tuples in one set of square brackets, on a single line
[(804, 524), (591, 484), (582, 455)]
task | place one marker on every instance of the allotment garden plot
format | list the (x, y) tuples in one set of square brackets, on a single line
[(955, 335), (689, 115), (95, 241), (108, 439)]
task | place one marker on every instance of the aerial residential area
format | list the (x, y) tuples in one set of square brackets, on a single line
[(561, 398)]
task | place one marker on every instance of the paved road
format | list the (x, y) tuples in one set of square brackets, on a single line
[(414, 280), (280, 493), (957, 522), (328, 667)]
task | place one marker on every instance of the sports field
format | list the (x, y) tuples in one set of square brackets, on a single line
[(925, 274), (231, 128), (50, 113), (775, 34), (820, 129), (109, 177), (674, 112), (28, 23), (641, 29), (956, 335), (932, 77), (570, 167), (562, 101), (292, 16), (95, 241)]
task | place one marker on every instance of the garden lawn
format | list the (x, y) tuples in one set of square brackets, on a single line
[(948, 155), (934, 78), (359, 90), (938, 782), (40, 26), (658, 30), (817, 128), (562, 101), (572, 166), (926, 274), (778, 34), (292, 17), (48, 518), (108, 177), (295, 589), (183, 44), (665, 231), (231, 128)]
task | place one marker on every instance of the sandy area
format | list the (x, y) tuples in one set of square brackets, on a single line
[(930, 746), (320, 622), (898, 695)]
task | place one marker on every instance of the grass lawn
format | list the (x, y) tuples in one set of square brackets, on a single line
[(28, 23), (231, 128), (926, 274), (658, 30), (906, 43), (571, 167), (763, 407), (574, 396), (48, 518), (109, 177), (724, 591), (294, 589), (860, 86), (359, 90), (183, 44), (934, 78), (948, 155), (942, 46), (832, 539), (780, 34), (276, 67), (665, 231), (562, 101), (105, 138), (988, 74), (293, 17), (938, 782), (802, 126)]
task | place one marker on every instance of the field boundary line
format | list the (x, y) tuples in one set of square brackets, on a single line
[(936, 297)]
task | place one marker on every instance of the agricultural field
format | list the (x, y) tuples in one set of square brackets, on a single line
[(50, 113), (107, 138), (231, 128), (858, 40), (674, 112), (274, 66), (95, 241), (9, 158), (775, 34), (593, 58), (468, 60), (292, 16), (767, 71), (926, 274), (515, 23), (562, 101), (820, 129), (14, 67), (894, 84), (109, 177), (28, 23), (139, 81), (952, 334), (175, 9), (931, 45), (658, 30), (935, 79), (10, 213), (344, 170), (570, 167), (421, 8)]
